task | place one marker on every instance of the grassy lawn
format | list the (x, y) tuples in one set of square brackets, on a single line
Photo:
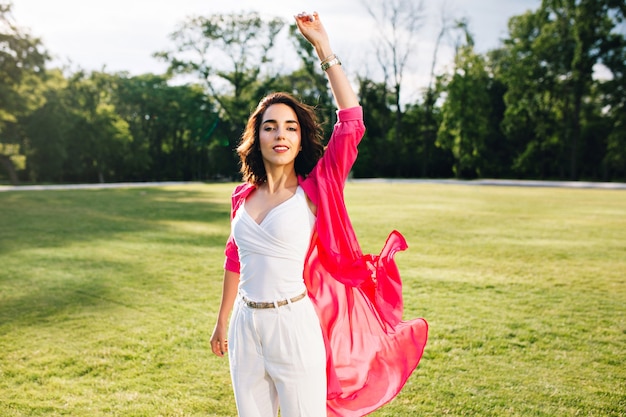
[(108, 298)]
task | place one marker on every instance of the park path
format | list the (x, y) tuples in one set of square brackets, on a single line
[(485, 182), (92, 186)]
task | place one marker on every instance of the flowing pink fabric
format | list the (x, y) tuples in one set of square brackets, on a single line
[(371, 351)]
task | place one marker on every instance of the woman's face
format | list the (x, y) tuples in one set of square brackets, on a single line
[(279, 136)]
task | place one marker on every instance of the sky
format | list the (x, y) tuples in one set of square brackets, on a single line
[(122, 35)]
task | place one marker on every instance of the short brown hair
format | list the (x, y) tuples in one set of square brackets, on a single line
[(249, 151)]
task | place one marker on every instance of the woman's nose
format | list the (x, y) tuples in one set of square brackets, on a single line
[(280, 133)]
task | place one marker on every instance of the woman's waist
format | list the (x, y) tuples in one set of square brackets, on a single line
[(270, 290)]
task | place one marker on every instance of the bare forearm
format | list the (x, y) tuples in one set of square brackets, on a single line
[(312, 29), (340, 85), (229, 294), (219, 342)]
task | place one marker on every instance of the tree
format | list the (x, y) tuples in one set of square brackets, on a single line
[(173, 128), (612, 102), (22, 60), (45, 131), (227, 53), (427, 118), (398, 22), (593, 22), (465, 122), (100, 138), (376, 150), (547, 64)]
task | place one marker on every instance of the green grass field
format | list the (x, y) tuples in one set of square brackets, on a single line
[(108, 298)]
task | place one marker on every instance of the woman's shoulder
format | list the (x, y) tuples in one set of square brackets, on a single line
[(241, 191), (244, 187)]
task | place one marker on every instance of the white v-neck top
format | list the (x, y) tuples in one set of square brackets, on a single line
[(272, 253)]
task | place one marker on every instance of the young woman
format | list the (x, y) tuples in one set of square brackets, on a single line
[(316, 326)]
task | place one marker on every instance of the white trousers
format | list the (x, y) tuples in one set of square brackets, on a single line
[(277, 359)]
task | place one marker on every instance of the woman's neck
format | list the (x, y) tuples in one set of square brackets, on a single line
[(278, 180)]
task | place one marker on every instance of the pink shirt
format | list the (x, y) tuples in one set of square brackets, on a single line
[(371, 351)]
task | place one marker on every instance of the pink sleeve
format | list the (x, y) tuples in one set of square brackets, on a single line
[(341, 151), (338, 247), (339, 156), (231, 263)]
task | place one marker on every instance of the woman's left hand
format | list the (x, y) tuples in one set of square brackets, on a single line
[(312, 29)]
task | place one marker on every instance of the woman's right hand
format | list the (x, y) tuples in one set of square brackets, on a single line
[(219, 341)]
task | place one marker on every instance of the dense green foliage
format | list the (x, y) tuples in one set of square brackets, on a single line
[(108, 298), (534, 107)]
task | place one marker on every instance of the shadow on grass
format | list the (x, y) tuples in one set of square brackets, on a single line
[(38, 302), (60, 218), (49, 267)]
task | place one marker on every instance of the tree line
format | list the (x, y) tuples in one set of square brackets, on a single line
[(548, 103)]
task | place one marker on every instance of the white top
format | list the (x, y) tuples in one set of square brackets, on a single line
[(272, 253)]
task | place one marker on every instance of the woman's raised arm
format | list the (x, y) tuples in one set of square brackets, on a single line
[(313, 30)]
